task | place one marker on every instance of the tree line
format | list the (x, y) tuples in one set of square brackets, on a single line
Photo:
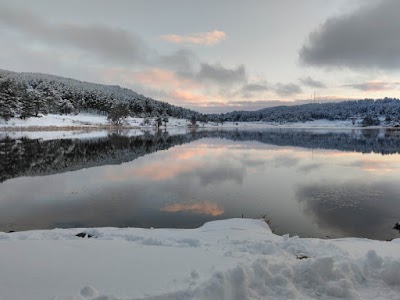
[(27, 95)]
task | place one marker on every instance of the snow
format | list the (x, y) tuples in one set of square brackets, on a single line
[(227, 259), (53, 122), (53, 126), (65, 134), (80, 120)]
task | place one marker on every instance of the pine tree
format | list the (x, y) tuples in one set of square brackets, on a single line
[(8, 99)]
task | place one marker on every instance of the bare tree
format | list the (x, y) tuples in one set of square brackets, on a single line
[(118, 113)]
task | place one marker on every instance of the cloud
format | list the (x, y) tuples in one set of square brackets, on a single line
[(205, 38), (188, 97), (182, 61), (160, 78), (252, 89), (308, 81), (368, 38), (220, 75), (288, 89), (373, 86), (95, 39), (255, 87)]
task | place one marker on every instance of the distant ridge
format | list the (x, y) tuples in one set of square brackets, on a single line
[(387, 109)]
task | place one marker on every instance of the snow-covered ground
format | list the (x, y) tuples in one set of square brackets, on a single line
[(81, 120), (58, 122), (66, 134), (230, 259)]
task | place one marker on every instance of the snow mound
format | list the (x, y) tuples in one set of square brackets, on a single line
[(229, 259)]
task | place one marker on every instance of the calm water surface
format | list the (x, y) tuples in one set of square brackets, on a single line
[(315, 183)]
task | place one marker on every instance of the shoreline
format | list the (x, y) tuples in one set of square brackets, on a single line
[(130, 127), (90, 122)]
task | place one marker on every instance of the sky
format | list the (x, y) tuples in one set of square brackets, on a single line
[(212, 56)]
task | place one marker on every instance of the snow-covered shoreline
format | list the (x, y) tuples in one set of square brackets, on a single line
[(227, 259), (54, 122)]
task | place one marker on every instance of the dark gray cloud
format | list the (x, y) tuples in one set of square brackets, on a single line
[(368, 38), (182, 61), (251, 89), (255, 87), (288, 89), (370, 86), (218, 74), (95, 39), (308, 81)]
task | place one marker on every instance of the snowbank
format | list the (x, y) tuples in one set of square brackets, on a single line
[(230, 259)]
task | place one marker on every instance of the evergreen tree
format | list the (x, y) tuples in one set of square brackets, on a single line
[(193, 120), (8, 99), (66, 107)]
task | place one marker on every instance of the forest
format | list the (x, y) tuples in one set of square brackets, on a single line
[(26, 95)]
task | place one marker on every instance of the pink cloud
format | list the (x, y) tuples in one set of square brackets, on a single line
[(204, 38), (159, 78), (374, 85), (190, 97), (156, 78)]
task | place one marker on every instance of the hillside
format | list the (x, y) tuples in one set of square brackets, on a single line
[(30, 94), (27, 95), (387, 108)]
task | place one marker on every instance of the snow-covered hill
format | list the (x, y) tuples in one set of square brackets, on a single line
[(385, 110), (30, 94)]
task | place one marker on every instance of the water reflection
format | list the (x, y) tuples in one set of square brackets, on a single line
[(311, 183), (31, 157), (202, 207), (353, 208)]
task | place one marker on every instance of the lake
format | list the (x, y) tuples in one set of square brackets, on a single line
[(307, 182)]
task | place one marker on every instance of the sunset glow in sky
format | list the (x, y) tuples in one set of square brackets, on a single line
[(212, 56)]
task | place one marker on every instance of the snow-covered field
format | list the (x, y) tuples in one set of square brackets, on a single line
[(54, 122), (81, 121), (230, 259)]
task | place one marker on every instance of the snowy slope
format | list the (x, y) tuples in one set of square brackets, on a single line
[(230, 259), (31, 93)]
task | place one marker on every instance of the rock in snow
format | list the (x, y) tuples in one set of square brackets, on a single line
[(229, 259)]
